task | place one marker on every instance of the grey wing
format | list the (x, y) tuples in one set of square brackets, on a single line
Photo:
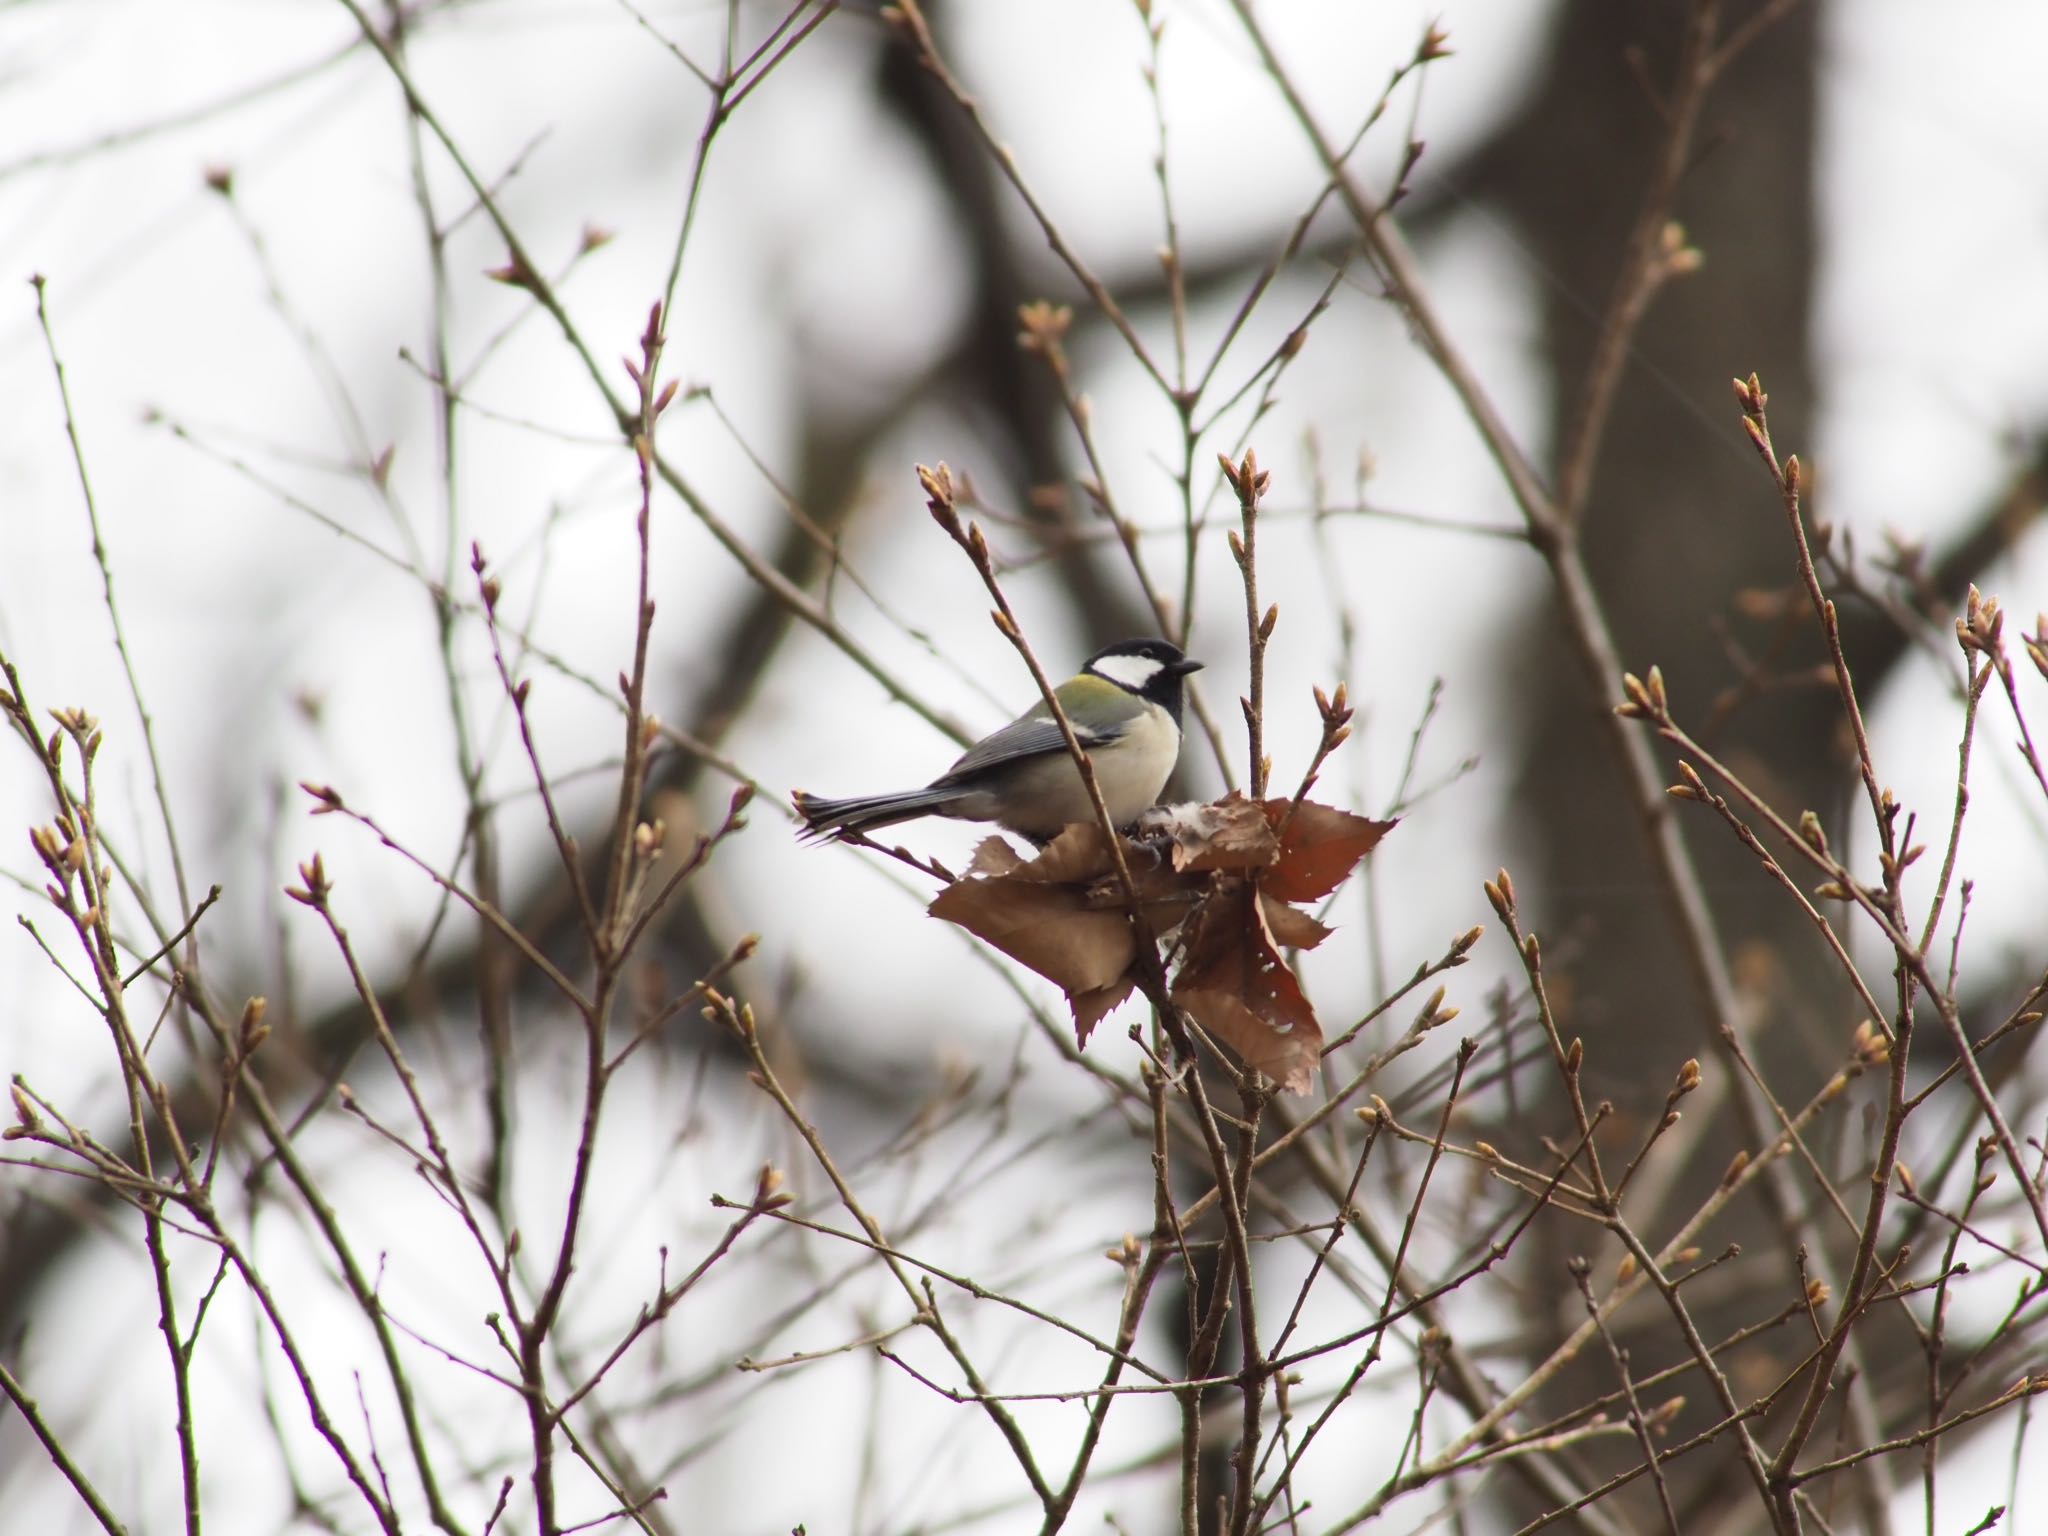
[(1033, 734)]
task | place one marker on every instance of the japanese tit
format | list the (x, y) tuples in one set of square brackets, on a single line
[(1125, 707)]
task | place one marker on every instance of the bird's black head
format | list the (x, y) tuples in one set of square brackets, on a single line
[(1152, 669)]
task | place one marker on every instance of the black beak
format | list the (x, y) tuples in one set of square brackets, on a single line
[(1184, 666)]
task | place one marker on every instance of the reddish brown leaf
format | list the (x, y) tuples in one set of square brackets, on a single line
[(1291, 927), (1318, 850), (1235, 985)]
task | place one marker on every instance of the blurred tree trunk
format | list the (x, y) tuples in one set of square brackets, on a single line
[(1681, 517), (1681, 520)]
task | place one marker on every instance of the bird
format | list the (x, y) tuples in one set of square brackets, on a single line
[(1125, 707)]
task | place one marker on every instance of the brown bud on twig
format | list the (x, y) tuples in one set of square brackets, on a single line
[(1982, 625), (313, 889), (49, 847), (1500, 890), (648, 837), (769, 1195), (252, 1031), (1645, 697), (1245, 477), (515, 273), (1812, 833), (329, 798), (1334, 708), (937, 483), (1678, 256), (1871, 1046), (1042, 329)]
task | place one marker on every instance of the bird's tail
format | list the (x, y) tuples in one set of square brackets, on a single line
[(865, 813)]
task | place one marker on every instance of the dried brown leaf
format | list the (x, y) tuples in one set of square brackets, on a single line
[(1234, 983), (1077, 855), (1062, 913), (993, 856), (1319, 849), (1291, 927), (1050, 928), (1091, 1008)]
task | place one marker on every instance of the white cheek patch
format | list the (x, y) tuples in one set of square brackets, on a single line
[(1133, 672)]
